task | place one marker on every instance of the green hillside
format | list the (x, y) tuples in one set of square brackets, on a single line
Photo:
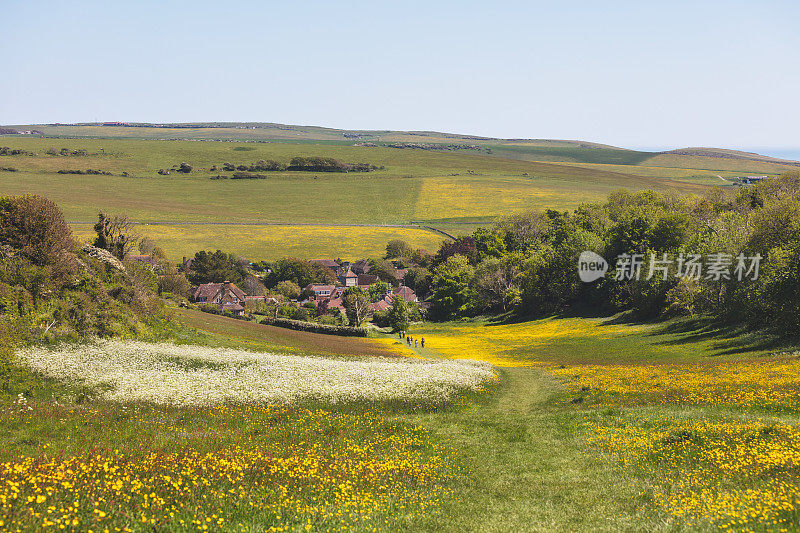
[(424, 183)]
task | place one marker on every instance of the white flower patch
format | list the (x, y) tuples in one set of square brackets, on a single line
[(195, 375)]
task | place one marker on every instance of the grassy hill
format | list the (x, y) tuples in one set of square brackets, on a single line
[(451, 181), (430, 187)]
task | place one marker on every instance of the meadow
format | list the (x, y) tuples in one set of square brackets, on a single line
[(277, 241), (622, 426), (416, 186), (591, 424)]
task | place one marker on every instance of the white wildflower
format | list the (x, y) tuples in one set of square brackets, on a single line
[(195, 375)]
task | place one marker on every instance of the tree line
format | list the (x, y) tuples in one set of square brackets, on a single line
[(527, 264)]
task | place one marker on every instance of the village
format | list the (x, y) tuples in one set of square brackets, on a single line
[(323, 303)]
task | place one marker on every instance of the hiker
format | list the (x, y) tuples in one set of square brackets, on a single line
[(400, 334), (422, 342), (415, 343)]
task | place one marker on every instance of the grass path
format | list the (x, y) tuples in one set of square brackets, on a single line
[(525, 468)]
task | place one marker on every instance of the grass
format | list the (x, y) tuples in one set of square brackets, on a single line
[(274, 242), (215, 330), (409, 188), (427, 187), (602, 424), (585, 431), (590, 340)]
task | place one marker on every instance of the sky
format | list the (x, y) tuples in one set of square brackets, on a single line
[(638, 74)]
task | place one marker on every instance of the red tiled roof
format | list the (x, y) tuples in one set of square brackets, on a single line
[(149, 259), (361, 266), (381, 305), (406, 293), (209, 291), (330, 263), (335, 302), (367, 279)]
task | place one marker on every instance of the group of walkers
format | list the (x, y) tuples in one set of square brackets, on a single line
[(411, 340)]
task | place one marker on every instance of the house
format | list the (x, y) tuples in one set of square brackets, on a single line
[(406, 293), (752, 179), (320, 292), (187, 263), (226, 295), (401, 275), (360, 267), (336, 303), (329, 263), (349, 279), (366, 279), (380, 305)]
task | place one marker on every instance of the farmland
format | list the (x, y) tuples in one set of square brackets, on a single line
[(433, 187)]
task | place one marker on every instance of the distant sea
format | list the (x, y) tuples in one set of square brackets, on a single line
[(786, 153)]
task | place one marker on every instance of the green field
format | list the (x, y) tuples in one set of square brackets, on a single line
[(274, 242), (595, 424), (430, 187)]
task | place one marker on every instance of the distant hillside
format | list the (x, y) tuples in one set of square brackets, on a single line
[(545, 150), (731, 154)]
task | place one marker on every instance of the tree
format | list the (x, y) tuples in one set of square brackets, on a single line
[(378, 291), (488, 244), (453, 289), (35, 226), (420, 280), (216, 267), (356, 304), (146, 246), (385, 271), (174, 282), (496, 281), (115, 234), (464, 246), (289, 289), (252, 286), (398, 248), (299, 271), (398, 314)]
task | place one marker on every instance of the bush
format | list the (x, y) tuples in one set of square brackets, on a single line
[(315, 327)]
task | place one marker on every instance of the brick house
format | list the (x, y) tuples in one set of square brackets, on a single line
[(226, 295), (349, 278), (360, 267), (335, 267)]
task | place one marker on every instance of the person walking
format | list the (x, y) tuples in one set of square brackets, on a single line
[(422, 342), (415, 343)]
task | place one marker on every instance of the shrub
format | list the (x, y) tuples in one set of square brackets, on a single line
[(315, 327)]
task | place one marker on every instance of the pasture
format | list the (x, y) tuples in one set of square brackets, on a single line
[(276, 241), (594, 424), (438, 188)]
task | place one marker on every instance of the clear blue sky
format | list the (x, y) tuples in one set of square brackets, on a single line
[(635, 74)]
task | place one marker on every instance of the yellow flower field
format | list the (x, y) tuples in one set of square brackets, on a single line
[(515, 345), (738, 475), (768, 383), (371, 473), (274, 242)]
